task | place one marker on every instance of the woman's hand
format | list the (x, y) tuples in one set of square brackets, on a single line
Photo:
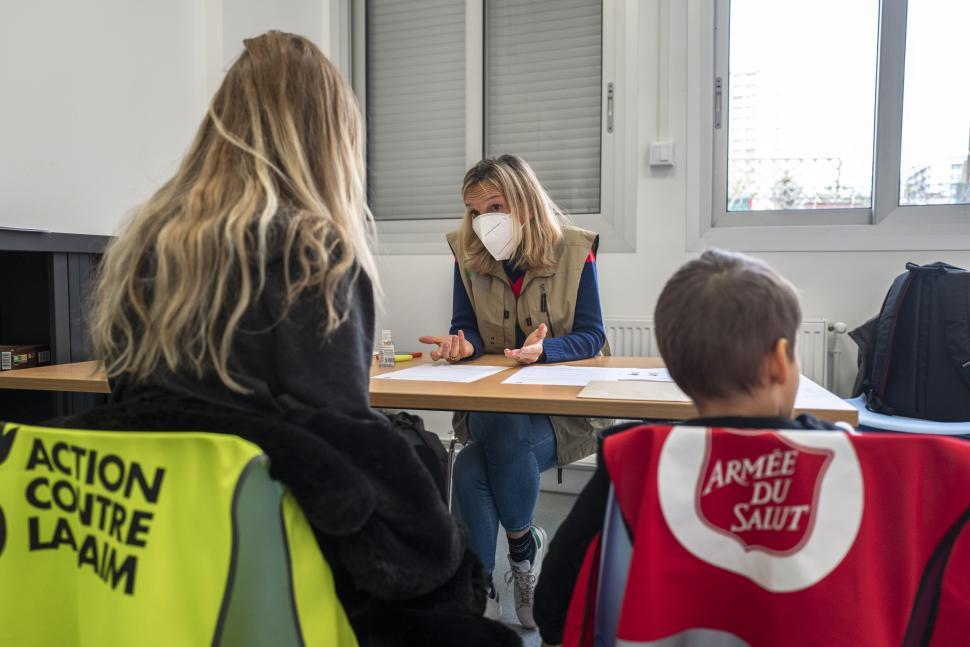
[(453, 348), (531, 350)]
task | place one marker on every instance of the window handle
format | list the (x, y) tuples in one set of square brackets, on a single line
[(609, 107), (718, 92)]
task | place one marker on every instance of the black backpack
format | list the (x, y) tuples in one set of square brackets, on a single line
[(914, 357), (426, 445)]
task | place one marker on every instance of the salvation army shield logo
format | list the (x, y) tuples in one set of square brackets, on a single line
[(761, 489), (727, 499)]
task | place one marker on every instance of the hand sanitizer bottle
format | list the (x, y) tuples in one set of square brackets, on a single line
[(387, 350)]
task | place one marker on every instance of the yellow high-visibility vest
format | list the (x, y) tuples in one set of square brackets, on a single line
[(155, 538)]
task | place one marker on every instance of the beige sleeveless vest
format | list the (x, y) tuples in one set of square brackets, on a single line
[(548, 296)]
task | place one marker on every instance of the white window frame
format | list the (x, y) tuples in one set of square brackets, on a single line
[(885, 226), (616, 223)]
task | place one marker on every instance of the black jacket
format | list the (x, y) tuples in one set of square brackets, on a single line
[(401, 564), (281, 356)]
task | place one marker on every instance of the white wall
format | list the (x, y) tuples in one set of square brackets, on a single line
[(100, 98), (843, 286)]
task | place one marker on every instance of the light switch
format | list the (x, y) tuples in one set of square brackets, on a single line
[(662, 154)]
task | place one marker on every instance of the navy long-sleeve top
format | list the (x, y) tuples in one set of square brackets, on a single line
[(588, 334)]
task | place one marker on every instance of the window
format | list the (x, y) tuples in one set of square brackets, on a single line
[(415, 107), (444, 83), (935, 166), (543, 80), (810, 99)]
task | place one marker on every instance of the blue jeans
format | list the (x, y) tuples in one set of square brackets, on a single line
[(497, 475)]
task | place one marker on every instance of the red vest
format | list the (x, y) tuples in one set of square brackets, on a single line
[(794, 538)]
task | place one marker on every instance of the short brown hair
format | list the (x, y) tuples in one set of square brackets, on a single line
[(718, 317)]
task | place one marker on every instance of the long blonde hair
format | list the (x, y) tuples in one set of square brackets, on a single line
[(276, 167), (530, 206)]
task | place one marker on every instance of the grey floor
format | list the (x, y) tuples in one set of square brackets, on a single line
[(550, 512)]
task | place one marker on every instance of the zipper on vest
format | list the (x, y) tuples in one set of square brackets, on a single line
[(544, 307)]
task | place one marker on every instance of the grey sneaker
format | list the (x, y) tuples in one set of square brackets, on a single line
[(523, 576), (493, 607)]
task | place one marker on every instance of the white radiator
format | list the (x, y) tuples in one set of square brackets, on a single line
[(634, 337)]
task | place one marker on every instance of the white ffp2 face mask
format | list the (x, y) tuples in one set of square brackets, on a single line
[(497, 232)]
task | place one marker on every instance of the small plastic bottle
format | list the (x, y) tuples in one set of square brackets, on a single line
[(387, 350)]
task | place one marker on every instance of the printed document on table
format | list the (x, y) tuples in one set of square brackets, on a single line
[(562, 375), (442, 373)]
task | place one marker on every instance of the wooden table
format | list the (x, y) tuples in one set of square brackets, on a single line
[(80, 377), (487, 394)]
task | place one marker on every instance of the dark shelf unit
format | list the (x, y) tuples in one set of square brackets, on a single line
[(45, 283)]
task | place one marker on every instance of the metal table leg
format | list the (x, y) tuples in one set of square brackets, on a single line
[(449, 477)]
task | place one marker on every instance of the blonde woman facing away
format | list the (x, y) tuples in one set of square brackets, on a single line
[(239, 299), (525, 285)]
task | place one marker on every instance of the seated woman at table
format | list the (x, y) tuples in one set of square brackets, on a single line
[(239, 299), (524, 285)]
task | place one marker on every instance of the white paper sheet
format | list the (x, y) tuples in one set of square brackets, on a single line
[(812, 396), (442, 372), (561, 375), (654, 391)]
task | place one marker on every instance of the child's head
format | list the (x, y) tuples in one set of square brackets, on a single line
[(508, 185), (726, 325)]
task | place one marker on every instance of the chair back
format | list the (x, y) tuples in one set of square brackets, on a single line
[(751, 537), (112, 538), (616, 550)]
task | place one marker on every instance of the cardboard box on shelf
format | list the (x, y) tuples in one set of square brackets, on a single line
[(24, 356)]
